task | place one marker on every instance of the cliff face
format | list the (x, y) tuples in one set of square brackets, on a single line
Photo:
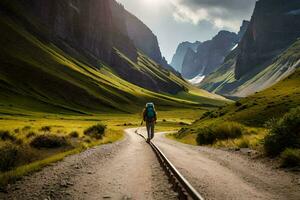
[(181, 51), (145, 40), (273, 27), (143, 37), (243, 29), (209, 55), (90, 25)]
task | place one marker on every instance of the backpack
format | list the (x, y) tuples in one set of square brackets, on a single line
[(150, 112)]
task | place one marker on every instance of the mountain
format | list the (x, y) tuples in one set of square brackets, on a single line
[(268, 52), (200, 59), (76, 57), (144, 39), (181, 51), (210, 54), (274, 27), (243, 29)]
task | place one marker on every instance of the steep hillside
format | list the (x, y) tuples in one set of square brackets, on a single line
[(180, 53), (223, 80), (93, 29), (248, 115), (274, 26), (220, 80), (145, 40), (40, 76), (209, 55)]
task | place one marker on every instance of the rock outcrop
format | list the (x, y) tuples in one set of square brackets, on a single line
[(92, 25), (209, 56), (273, 27), (243, 29), (181, 51)]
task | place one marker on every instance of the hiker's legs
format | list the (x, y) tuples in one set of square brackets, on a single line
[(152, 130), (148, 126)]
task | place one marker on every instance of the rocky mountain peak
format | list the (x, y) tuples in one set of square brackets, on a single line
[(273, 27)]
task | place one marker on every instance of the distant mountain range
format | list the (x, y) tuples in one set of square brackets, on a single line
[(268, 52), (265, 51), (201, 58), (182, 48)]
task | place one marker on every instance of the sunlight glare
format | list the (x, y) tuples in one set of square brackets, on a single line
[(153, 2)]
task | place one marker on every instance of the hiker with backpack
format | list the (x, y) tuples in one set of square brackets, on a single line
[(149, 116)]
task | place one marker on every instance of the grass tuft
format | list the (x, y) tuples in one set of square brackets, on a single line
[(223, 131), (74, 134), (49, 141), (6, 135), (30, 134), (96, 131), (45, 129), (8, 158), (290, 158)]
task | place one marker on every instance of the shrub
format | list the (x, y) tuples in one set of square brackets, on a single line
[(96, 131), (8, 158), (5, 135), (48, 141), (242, 108), (205, 136), (290, 157), (224, 131), (237, 103), (74, 134), (26, 128), (45, 129), (30, 134), (228, 130), (183, 123), (206, 114), (284, 133), (18, 141), (244, 143), (17, 130)]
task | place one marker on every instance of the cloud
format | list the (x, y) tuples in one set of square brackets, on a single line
[(221, 13)]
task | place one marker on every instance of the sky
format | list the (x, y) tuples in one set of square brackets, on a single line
[(175, 21)]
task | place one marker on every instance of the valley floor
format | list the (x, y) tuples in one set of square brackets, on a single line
[(128, 169)]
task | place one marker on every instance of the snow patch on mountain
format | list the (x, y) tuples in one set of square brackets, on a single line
[(196, 80)]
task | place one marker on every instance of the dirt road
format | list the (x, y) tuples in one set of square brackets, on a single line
[(124, 170), (219, 174)]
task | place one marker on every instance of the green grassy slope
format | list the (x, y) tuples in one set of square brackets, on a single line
[(252, 112), (38, 76), (222, 81)]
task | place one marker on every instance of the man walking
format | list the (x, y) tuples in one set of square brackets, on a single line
[(149, 116)]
